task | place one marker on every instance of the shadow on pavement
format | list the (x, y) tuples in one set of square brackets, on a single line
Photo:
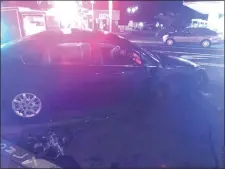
[(181, 132)]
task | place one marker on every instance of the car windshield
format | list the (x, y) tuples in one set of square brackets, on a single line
[(112, 84), (148, 53)]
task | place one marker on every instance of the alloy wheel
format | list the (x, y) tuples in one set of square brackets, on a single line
[(205, 43), (26, 105), (169, 42)]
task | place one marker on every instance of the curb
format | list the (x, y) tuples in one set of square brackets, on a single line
[(146, 42)]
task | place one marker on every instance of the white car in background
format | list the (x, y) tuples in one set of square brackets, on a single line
[(203, 36)]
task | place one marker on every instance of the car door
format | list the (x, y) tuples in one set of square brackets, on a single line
[(191, 36), (40, 75), (179, 37), (119, 76), (72, 70), (183, 36)]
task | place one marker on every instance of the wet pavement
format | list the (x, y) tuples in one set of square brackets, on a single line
[(187, 49), (184, 133)]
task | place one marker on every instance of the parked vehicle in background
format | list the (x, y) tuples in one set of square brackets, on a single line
[(198, 23), (203, 36)]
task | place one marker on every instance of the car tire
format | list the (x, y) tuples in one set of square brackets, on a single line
[(205, 43), (9, 106), (170, 42)]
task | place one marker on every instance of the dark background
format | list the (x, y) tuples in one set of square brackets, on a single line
[(146, 12)]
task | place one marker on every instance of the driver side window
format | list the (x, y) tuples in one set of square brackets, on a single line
[(115, 55)]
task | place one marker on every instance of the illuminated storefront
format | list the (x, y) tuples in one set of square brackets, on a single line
[(73, 14), (214, 9), (66, 14), (102, 19)]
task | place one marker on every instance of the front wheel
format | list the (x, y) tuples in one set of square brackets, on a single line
[(205, 43), (169, 42), (25, 107)]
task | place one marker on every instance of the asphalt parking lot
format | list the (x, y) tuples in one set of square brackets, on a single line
[(184, 133)]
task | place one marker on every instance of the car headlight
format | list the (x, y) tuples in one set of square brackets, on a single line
[(221, 36), (165, 37)]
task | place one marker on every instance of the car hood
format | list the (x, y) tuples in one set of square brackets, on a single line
[(173, 61)]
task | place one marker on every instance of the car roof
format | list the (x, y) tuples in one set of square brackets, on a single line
[(54, 36), (50, 35)]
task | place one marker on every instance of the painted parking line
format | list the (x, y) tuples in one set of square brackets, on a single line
[(199, 58), (202, 56), (190, 47), (185, 53), (211, 64), (202, 60), (146, 42), (151, 44)]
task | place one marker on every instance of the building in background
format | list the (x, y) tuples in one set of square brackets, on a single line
[(71, 14), (214, 10), (17, 22), (101, 19)]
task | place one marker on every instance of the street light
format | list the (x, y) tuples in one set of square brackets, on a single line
[(92, 9), (128, 10), (110, 15), (132, 10)]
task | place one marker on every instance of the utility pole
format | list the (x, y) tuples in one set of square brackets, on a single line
[(92, 10), (110, 3)]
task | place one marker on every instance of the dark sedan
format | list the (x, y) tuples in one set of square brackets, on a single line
[(53, 71)]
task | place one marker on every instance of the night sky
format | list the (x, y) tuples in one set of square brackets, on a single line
[(146, 12), (147, 9)]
